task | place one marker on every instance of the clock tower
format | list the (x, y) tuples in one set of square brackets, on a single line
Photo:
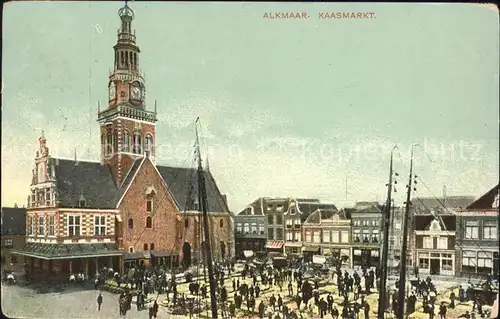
[(127, 127)]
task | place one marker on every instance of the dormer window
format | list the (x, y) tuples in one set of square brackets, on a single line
[(81, 201), (435, 227)]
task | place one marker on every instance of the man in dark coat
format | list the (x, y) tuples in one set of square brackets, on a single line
[(99, 302)]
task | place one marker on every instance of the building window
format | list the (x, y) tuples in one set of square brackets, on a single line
[(423, 261), (335, 236), (270, 233), (7, 243), (148, 141), (137, 149), (297, 223), (428, 243), (375, 236), (357, 236), (145, 246), (221, 223), (239, 228), (270, 219), (186, 222), (126, 141), (298, 236), (246, 228), (30, 225), (489, 230), (484, 262), (447, 264), (442, 243), (289, 223), (41, 225), (131, 249), (130, 223), (74, 224), (326, 236), (279, 219), (289, 235), (469, 261), (374, 222), (152, 246), (51, 225), (397, 226), (149, 222), (317, 237), (471, 229), (279, 234), (99, 225), (344, 238), (308, 236), (254, 228), (261, 229), (47, 196), (366, 236), (149, 205)]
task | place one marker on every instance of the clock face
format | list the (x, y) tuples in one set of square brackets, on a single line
[(136, 93), (112, 91)]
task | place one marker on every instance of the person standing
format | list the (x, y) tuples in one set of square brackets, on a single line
[(99, 302)]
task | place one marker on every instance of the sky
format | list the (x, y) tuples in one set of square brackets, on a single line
[(288, 107)]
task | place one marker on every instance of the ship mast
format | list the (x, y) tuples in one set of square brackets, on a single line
[(202, 191)]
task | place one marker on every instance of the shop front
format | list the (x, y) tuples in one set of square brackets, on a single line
[(164, 259), (366, 257), (479, 262), (436, 263), (309, 251), (339, 253)]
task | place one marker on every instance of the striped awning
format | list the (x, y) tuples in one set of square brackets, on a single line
[(275, 244)]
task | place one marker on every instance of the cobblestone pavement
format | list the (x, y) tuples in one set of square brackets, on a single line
[(23, 302)]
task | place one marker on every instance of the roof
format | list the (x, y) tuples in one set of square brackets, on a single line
[(96, 183), (62, 251), (307, 208), (13, 221), (486, 201), (324, 215), (91, 179), (425, 205), (183, 184)]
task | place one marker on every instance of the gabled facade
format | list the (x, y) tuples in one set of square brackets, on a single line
[(124, 210), (328, 232), (250, 229), (477, 236), (294, 217), (274, 208), (13, 236), (435, 245)]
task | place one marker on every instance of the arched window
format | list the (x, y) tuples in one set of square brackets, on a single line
[(152, 246), (148, 144), (130, 223), (149, 222), (109, 143), (221, 223), (186, 223), (126, 142), (145, 246), (137, 143)]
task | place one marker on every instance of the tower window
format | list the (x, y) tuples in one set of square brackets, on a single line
[(130, 223), (149, 204), (221, 223), (149, 222), (109, 143), (149, 144), (152, 246), (186, 223), (137, 143), (145, 246), (126, 142)]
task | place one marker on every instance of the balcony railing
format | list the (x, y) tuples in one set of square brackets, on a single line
[(129, 112)]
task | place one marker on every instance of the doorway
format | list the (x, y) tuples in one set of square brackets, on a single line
[(435, 267), (186, 255)]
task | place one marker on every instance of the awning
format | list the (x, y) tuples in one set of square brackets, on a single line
[(310, 249), (275, 244), (163, 253), (133, 256), (68, 251)]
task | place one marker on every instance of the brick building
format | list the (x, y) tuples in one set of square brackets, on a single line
[(477, 237), (124, 209), (13, 233)]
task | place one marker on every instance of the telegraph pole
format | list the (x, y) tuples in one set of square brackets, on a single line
[(402, 278), (203, 196), (382, 302)]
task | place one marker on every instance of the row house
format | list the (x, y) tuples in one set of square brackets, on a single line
[(366, 221), (250, 229), (13, 234), (328, 232), (429, 206), (294, 217), (434, 239), (477, 236), (274, 209)]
